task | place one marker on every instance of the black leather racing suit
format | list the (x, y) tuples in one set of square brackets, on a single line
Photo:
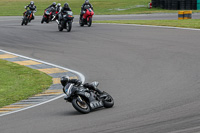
[(63, 10), (86, 85), (32, 8)]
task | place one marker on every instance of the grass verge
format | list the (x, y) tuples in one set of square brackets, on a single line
[(19, 82), (189, 23), (101, 7)]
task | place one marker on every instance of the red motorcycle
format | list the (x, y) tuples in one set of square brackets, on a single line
[(87, 17), (48, 15)]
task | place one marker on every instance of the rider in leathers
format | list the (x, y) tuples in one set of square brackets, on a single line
[(58, 9), (52, 5), (53, 8), (63, 10), (32, 8), (65, 80), (83, 8)]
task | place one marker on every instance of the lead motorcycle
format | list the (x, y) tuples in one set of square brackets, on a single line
[(85, 100), (66, 21)]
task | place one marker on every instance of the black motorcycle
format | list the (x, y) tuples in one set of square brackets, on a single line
[(66, 21), (27, 17), (85, 100)]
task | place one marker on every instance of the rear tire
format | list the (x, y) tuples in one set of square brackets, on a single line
[(82, 108), (108, 101)]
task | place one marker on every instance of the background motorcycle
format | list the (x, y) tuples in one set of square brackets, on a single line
[(87, 17), (27, 16), (66, 21), (84, 100), (48, 15)]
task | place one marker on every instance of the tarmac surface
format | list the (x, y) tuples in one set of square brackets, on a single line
[(153, 74)]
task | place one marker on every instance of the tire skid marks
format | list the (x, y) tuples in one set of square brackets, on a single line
[(53, 91)]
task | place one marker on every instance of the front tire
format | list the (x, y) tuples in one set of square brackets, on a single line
[(60, 28), (81, 22), (69, 26), (89, 23), (42, 20), (22, 22), (26, 21), (81, 107)]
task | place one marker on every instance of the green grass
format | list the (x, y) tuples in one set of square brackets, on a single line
[(19, 82), (16, 7), (187, 23)]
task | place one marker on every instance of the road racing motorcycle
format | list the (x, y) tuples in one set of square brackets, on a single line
[(48, 15), (87, 17), (66, 21), (85, 100), (27, 17)]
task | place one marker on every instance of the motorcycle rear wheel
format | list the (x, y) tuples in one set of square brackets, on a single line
[(108, 101), (81, 107)]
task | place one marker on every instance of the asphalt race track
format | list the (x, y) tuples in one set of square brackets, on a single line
[(152, 73)]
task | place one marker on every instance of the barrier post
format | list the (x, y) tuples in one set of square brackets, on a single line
[(180, 15), (187, 15)]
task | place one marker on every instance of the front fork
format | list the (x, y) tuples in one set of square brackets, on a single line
[(80, 99)]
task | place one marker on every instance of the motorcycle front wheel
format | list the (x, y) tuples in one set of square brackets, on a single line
[(81, 107), (43, 19), (89, 23), (60, 28), (22, 22), (26, 21), (81, 22), (69, 26)]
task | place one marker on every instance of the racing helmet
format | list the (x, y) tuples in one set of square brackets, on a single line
[(58, 4), (32, 3), (66, 5), (54, 4), (64, 80), (86, 2)]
